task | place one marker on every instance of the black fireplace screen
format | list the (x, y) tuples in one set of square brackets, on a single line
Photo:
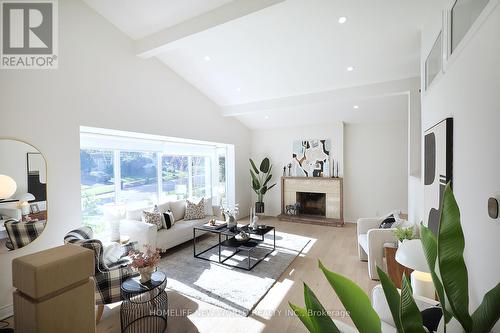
[(312, 203)]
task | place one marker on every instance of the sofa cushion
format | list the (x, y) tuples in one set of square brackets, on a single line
[(136, 214), (431, 318), (217, 212), (112, 253), (169, 219), (164, 207), (154, 217), (363, 241), (178, 208), (388, 222), (195, 211), (180, 232), (208, 207)]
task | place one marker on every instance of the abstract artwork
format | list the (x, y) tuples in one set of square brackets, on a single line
[(438, 166), (311, 158)]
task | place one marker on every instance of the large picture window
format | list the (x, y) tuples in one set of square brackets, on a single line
[(138, 178), (146, 173), (175, 175), (97, 184)]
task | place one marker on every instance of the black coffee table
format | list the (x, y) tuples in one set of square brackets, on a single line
[(255, 242), (145, 305)]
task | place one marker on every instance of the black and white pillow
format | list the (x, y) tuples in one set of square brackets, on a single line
[(169, 219), (388, 222), (154, 217), (195, 211), (431, 318)]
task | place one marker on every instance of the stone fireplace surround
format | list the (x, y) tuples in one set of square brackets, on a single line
[(331, 187)]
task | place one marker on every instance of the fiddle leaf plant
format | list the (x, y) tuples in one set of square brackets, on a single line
[(261, 177), (444, 255)]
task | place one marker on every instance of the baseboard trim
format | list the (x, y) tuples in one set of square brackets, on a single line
[(6, 311)]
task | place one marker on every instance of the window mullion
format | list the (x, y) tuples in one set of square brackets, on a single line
[(159, 174), (190, 177), (117, 172)]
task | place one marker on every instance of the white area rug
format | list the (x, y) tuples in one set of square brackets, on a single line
[(232, 289)]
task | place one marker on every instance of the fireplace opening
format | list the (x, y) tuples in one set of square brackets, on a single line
[(312, 203)]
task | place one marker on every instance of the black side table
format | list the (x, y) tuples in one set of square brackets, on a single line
[(145, 305)]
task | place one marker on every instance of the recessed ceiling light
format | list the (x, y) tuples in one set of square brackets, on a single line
[(342, 19), (355, 107), (350, 68), (266, 117), (207, 58), (238, 89)]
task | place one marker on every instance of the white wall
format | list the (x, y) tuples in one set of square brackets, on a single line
[(277, 146), (373, 162), (100, 83), (469, 92), (376, 172)]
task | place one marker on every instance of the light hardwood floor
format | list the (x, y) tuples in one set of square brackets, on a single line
[(337, 249)]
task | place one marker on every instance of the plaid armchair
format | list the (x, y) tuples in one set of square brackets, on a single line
[(108, 278), (22, 233)]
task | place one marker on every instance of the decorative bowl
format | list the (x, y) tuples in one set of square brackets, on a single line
[(242, 237)]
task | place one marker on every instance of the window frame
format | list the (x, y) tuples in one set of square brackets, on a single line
[(210, 153), (438, 41)]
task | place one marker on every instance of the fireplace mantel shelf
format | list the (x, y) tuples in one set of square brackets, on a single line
[(312, 178)]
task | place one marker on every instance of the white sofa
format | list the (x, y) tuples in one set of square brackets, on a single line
[(371, 240), (146, 233)]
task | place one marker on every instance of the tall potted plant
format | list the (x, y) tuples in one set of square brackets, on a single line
[(260, 179), (444, 254)]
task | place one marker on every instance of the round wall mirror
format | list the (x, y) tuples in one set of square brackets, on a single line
[(23, 194)]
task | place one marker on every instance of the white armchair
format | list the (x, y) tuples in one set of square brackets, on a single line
[(380, 306), (371, 240)]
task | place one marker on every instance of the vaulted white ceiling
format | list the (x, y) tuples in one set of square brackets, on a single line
[(139, 18), (280, 50)]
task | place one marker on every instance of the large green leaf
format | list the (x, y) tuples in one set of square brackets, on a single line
[(255, 186), (263, 190), (304, 317), (429, 243), (411, 319), (254, 167), (450, 248), (319, 317), (488, 312), (355, 301), (264, 165), (254, 178), (392, 296), (270, 187), (268, 178)]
